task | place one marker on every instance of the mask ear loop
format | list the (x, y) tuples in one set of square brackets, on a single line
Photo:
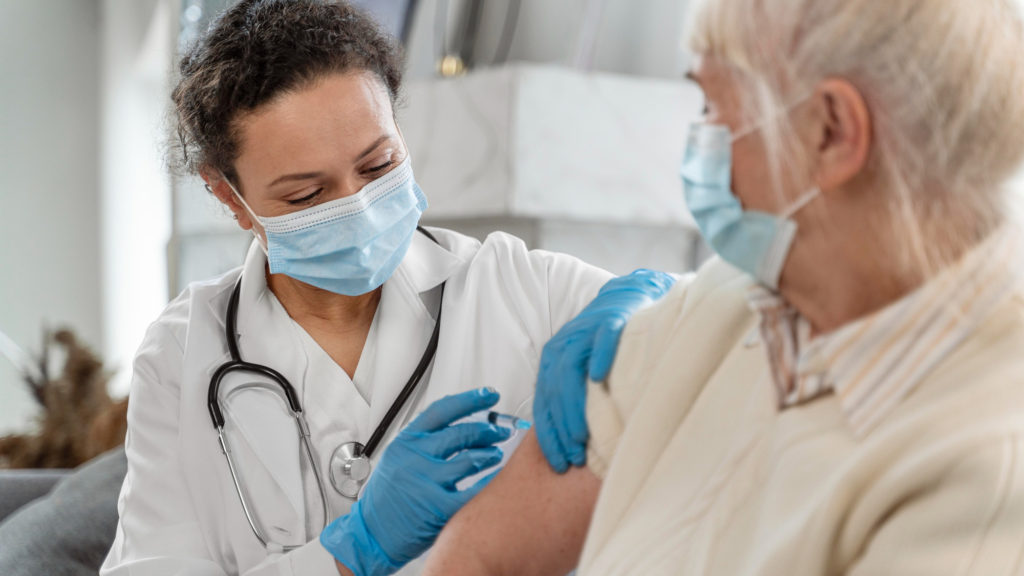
[(746, 132), (810, 194), (801, 202), (813, 193), (780, 112), (259, 240)]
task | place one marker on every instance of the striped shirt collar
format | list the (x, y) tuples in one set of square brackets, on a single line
[(871, 364)]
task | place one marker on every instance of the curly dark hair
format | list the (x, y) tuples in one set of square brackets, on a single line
[(258, 50)]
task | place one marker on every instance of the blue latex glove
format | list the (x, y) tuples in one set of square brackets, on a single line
[(412, 494), (585, 347)]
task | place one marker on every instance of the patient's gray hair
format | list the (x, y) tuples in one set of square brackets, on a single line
[(944, 83)]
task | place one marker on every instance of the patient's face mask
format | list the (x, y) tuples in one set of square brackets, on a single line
[(756, 242), (351, 245)]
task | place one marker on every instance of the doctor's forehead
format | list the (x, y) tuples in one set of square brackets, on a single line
[(329, 121)]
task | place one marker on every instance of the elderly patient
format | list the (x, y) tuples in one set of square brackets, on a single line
[(842, 391)]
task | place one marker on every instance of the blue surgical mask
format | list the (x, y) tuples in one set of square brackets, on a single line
[(757, 243), (351, 245)]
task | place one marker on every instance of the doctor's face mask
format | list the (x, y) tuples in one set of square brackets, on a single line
[(757, 243), (351, 245)]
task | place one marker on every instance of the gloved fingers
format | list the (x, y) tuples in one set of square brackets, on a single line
[(550, 445), (553, 351), (467, 463), (540, 418), (651, 282), (455, 407), (639, 283), (638, 288), (465, 436), (606, 344), (663, 282), (335, 533), (573, 420), (542, 409), (658, 283), (579, 433), (568, 412), (628, 282)]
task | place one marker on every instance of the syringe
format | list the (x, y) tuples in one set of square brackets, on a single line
[(497, 418)]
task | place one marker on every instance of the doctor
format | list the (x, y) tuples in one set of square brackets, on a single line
[(318, 385)]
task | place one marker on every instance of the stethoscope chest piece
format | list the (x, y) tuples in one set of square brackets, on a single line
[(350, 468)]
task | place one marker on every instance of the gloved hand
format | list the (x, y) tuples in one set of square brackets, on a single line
[(585, 347), (412, 494)]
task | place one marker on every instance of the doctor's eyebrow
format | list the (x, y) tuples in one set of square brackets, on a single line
[(291, 177), (373, 146), (310, 175)]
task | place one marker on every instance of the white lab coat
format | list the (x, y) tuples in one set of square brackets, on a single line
[(179, 511)]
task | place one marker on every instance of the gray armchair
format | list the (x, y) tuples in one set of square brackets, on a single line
[(63, 532)]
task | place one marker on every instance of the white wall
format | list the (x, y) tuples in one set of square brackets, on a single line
[(137, 38), (49, 200)]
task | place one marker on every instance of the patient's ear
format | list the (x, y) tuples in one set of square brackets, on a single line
[(841, 130), (217, 185)]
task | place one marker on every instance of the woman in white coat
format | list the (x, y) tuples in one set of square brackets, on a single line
[(286, 110)]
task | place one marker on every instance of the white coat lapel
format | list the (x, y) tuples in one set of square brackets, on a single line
[(406, 324)]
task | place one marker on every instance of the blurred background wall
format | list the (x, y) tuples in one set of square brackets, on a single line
[(136, 58), (50, 233)]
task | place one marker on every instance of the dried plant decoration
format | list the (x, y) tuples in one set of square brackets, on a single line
[(79, 419)]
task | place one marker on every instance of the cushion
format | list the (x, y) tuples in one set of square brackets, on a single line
[(20, 486), (68, 532)]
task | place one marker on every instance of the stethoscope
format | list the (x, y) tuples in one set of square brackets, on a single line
[(350, 464)]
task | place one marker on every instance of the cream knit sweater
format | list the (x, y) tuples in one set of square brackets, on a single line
[(703, 474)]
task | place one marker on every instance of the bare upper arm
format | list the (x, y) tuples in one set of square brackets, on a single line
[(528, 521)]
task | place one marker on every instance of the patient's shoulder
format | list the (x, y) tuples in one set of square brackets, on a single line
[(683, 336), (707, 305)]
